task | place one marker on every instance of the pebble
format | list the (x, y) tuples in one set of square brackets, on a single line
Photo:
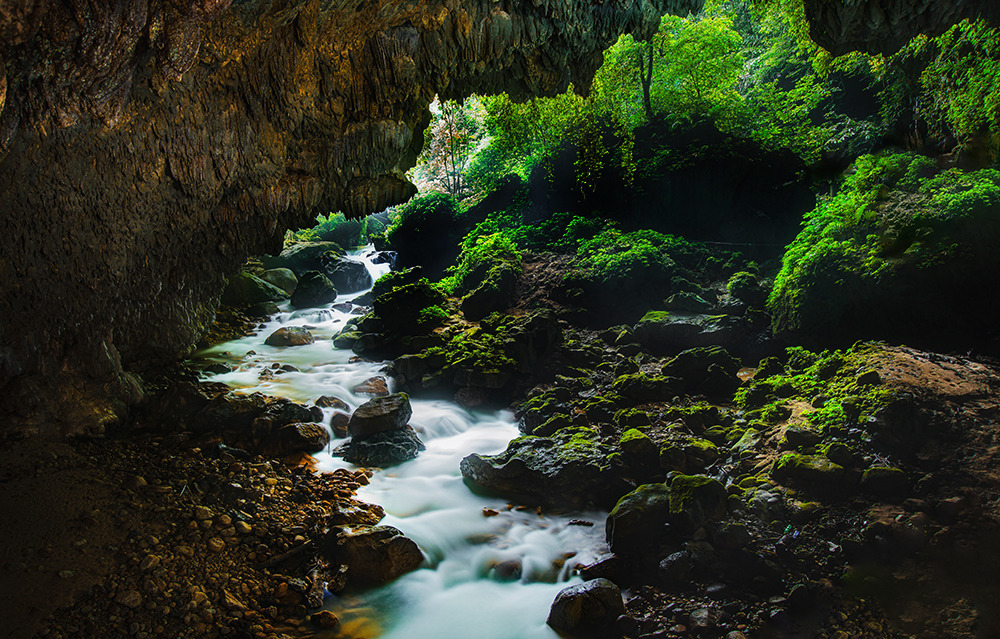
[(216, 545), (149, 562), (324, 619), (201, 513), (129, 598), (243, 528)]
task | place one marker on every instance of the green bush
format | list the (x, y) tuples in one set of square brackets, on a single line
[(477, 260)]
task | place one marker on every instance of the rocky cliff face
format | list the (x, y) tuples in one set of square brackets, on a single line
[(884, 26), (148, 147)]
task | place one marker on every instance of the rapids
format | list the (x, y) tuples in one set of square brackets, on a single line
[(489, 576)]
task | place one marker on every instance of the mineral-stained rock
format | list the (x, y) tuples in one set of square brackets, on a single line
[(373, 555), (587, 609), (290, 336)]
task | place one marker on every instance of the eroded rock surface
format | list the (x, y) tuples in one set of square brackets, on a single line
[(147, 148)]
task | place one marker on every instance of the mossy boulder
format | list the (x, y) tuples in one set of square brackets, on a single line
[(886, 482), (348, 276), (635, 526), (710, 370), (902, 249), (570, 469), (811, 469), (313, 289), (495, 293), (590, 609), (304, 256), (282, 278), (641, 387), (244, 289), (696, 500), (668, 332), (746, 288)]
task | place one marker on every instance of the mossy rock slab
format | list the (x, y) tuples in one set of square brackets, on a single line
[(666, 332), (807, 468), (244, 289), (570, 470)]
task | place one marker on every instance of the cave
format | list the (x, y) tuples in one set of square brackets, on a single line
[(149, 149)]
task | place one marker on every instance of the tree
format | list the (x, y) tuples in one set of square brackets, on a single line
[(455, 135)]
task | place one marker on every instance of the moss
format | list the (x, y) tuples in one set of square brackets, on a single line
[(807, 468)]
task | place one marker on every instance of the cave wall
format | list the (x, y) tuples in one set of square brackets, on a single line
[(148, 147), (884, 26)]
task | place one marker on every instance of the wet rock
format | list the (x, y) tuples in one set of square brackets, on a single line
[(245, 289), (282, 278), (373, 387), (328, 401), (636, 524), (290, 336), (384, 449), (348, 276), (380, 414), (303, 257), (324, 619), (373, 555), (685, 302), (385, 257), (570, 469), (641, 387), (314, 289), (339, 424), (676, 568), (588, 609)]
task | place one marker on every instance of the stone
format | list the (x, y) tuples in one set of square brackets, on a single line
[(696, 500), (299, 437), (686, 302), (216, 545), (373, 555), (807, 468), (588, 609), (676, 567), (495, 293), (888, 483), (669, 332), (303, 257), (802, 436), (282, 278), (328, 401), (245, 289), (569, 469), (129, 598), (636, 524), (373, 387), (381, 414), (324, 619), (201, 513), (313, 289), (290, 336), (339, 424), (384, 449), (348, 276)]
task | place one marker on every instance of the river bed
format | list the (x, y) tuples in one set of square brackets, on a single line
[(490, 569)]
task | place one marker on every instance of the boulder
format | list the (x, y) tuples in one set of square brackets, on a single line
[(348, 276), (373, 387), (686, 302), (380, 415), (569, 470), (329, 401), (587, 609), (384, 449), (373, 555), (266, 426), (807, 468), (314, 289), (696, 500), (298, 437), (244, 289), (636, 524), (282, 278), (304, 256), (495, 293), (385, 257), (797, 436), (886, 482), (290, 336), (706, 369), (338, 424), (641, 387), (667, 332)]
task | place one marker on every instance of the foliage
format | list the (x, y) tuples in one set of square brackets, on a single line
[(478, 258), (893, 217), (455, 135), (336, 228)]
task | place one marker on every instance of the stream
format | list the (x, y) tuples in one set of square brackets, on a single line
[(493, 575)]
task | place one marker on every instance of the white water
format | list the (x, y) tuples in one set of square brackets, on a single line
[(458, 593)]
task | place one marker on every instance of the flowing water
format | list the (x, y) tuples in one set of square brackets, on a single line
[(491, 576)]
